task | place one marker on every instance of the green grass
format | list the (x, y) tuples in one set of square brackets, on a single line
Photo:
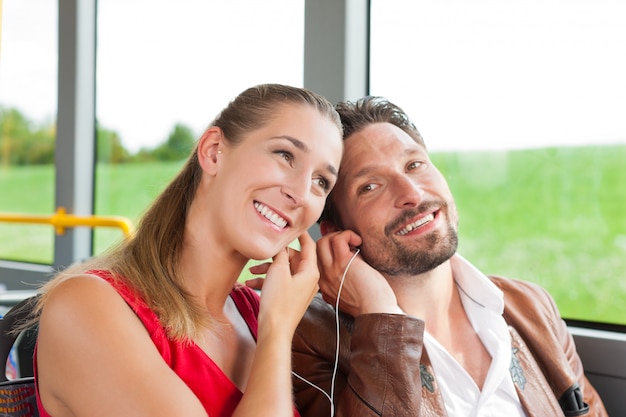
[(122, 190), (27, 190), (128, 190), (555, 216)]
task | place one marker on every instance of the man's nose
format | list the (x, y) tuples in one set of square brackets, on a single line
[(408, 193)]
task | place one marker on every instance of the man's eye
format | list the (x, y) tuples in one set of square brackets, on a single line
[(367, 188), (414, 165)]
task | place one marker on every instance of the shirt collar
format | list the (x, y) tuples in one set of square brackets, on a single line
[(475, 285)]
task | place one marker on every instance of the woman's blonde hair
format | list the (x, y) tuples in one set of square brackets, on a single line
[(149, 262)]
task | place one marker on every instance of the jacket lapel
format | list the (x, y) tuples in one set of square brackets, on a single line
[(532, 387), (432, 401)]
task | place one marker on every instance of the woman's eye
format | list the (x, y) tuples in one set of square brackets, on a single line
[(322, 182), (286, 155)]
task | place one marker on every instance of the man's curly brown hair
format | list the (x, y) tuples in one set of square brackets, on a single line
[(356, 116)]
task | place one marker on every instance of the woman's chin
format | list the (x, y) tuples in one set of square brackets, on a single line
[(260, 254), (266, 249)]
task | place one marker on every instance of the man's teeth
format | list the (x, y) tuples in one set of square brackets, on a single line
[(413, 226), (270, 215)]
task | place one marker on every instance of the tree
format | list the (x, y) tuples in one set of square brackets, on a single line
[(109, 148), (23, 142), (179, 144)]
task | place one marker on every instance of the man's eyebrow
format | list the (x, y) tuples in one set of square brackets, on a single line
[(302, 146), (364, 172), (368, 169)]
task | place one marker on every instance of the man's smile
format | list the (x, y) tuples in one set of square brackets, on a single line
[(416, 224)]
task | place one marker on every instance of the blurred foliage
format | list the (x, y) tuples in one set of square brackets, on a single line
[(24, 142)]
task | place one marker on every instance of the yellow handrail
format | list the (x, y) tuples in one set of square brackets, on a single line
[(61, 220)]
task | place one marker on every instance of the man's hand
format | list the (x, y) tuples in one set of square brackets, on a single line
[(364, 289)]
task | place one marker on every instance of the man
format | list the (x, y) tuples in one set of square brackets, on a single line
[(422, 332)]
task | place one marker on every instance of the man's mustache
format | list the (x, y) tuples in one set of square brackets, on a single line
[(408, 214)]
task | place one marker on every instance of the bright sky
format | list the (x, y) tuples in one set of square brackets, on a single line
[(159, 62), (480, 74), (505, 74)]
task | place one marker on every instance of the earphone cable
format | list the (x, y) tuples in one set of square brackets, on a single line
[(336, 364), (343, 278)]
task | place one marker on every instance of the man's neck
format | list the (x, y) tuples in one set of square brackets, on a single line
[(434, 298), (428, 296)]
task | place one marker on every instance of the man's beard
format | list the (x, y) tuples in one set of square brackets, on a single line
[(392, 258)]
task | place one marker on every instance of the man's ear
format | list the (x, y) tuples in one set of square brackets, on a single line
[(210, 147), (327, 227)]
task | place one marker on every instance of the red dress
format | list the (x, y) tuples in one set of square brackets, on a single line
[(215, 390)]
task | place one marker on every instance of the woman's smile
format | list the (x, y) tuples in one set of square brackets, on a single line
[(271, 215)]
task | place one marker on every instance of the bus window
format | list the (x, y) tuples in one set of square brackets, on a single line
[(28, 101), (521, 105), (158, 88)]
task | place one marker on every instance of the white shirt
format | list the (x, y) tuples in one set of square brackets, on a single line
[(484, 304)]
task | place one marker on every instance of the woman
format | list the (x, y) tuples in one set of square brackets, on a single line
[(159, 325)]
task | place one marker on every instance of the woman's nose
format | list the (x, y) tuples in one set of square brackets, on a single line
[(297, 190)]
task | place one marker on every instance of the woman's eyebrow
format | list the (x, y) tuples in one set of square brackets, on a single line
[(296, 142), (302, 146)]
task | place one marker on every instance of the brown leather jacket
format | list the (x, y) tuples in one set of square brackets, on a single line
[(383, 369)]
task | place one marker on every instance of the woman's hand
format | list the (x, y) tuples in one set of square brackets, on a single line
[(289, 286), (287, 290)]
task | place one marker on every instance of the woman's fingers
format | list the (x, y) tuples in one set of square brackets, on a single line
[(255, 283), (290, 285), (260, 268)]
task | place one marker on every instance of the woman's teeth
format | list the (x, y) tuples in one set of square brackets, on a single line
[(270, 215)]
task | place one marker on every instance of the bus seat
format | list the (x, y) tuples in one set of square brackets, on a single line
[(17, 396)]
